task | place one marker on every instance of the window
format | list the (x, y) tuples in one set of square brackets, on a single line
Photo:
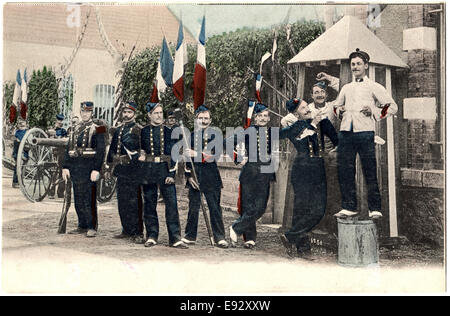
[(104, 102)]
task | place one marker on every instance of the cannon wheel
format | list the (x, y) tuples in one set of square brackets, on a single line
[(106, 189), (35, 173)]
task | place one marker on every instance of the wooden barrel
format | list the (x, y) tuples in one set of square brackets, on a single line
[(357, 243)]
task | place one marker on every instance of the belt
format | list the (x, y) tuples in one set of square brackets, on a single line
[(86, 153), (157, 159), (123, 159)]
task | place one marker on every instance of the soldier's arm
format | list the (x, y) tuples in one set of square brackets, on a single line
[(112, 148), (386, 105), (100, 146), (329, 130), (294, 129)]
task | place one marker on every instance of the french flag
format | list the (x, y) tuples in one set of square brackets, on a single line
[(154, 97), (258, 87), (164, 73), (23, 102), (178, 69), (200, 69), (248, 119), (16, 99)]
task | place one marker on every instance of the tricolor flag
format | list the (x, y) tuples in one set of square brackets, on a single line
[(178, 69), (23, 102), (248, 119), (165, 68), (275, 46), (16, 99), (200, 69), (154, 97), (258, 87), (259, 77)]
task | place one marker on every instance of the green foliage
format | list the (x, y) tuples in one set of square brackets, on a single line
[(8, 92), (229, 82), (42, 98)]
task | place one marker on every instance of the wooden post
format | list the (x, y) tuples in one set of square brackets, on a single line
[(393, 229)]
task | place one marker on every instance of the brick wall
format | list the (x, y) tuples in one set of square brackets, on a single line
[(422, 82)]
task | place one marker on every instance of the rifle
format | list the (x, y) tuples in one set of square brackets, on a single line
[(65, 208), (177, 113)]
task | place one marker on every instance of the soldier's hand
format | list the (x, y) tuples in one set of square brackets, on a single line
[(194, 184), (141, 158), (366, 111), (170, 180), (65, 174), (322, 76), (95, 176), (316, 119), (190, 153)]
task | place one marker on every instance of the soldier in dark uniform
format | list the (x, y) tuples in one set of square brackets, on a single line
[(308, 176), (58, 132), (19, 134), (210, 183), (158, 170), (82, 163), (123, 156), (171, 120), (254, 180)]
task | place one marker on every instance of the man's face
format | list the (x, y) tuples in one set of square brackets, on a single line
[(86, 115), (58, 124), (303, 112), (262, 118), (358, 67), (203, 119), (319, 95), (22, 125), (156, 116), (171, 121), (128, 115)]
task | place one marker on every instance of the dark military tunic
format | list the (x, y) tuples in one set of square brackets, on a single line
[(19, 134), (157, 144), (123, 154), (210, 183), (308, 179), (84, 153), (59, 153), (255, 184)]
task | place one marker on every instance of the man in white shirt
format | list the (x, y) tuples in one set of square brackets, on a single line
[(359, 104)]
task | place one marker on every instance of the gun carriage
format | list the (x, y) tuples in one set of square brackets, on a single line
[(39, 170)]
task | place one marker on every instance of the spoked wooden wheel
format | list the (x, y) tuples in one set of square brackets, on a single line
[(36, 166)]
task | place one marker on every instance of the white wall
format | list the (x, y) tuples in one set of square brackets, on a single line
[(89, 68)]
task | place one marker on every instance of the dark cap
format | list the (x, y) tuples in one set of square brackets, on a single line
[(359, 53)]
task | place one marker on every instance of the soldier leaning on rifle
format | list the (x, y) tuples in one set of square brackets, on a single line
[(158, 170), (83, 161), (123, 156), (254, 180), (209, 181), (308, 176), (360, 103)]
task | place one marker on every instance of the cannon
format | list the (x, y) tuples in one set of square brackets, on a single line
[(38, 169)]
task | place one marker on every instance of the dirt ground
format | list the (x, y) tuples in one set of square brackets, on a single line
[(41, 228), (29, 234)]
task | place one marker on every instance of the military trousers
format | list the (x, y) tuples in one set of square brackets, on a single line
[(215, 212), (85, 200), (254, 198), (129, 201), (350, 144), (308, 179), (151, 222)]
